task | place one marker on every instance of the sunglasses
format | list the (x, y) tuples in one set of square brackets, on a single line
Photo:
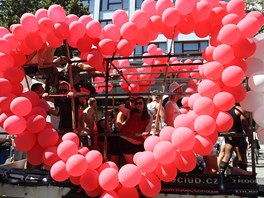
[(139, 103)]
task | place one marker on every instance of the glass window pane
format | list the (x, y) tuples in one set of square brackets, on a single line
[(190, 46), (203, 45), (138, 3), (178, 48)]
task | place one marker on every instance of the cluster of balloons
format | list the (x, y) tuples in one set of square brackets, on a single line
[(228, 60)]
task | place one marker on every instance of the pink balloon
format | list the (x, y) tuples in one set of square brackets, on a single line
[(71, 136), (66, 149), (36, 123), (224, 121), (53, 40), (165, 133), (226, 31), (150, 185), (208, 88), (129, 175), (208, 53), (14, 124), (94, 159), (89, 180), (170, 17), (21, 106), (46, 25), (61, 30), (56, 13), (93, 29), (76, 165), (83, 150), (41, 13), (25, 141), (223, 54), (237, 7), (155, 23), (58, 171), (5, 85), (238, 92), (223, 101), (204, 125), (149, 6), (203, 106), (183, 7), (146, 161), (232, 76), (34, 156), (183, 120), (71, 18), (185, 161), (124, 47), (5, 46), (112, 32), (48, 142), (140, 18), (150, 142), (77, 29), (164, 152), (85, 19), (167, 172), (108, 164), (230, 18), (3, 31), (203, 145), (128, 31), (162, 5), (201, 11), (12, 41), (249, 26), (119, 17), (192, 98), (29, 22), (183, 138), (19, 32), (50, 156), (123, 192), (108, 179), (142, 41), (3, 117)]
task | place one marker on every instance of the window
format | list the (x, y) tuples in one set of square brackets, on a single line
[(113, 5), (189, 47), (140, 50), (138, 4)]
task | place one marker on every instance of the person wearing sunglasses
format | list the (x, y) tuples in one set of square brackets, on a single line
[(138, 125)]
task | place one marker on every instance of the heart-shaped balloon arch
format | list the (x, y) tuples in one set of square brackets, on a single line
[(194, 132)]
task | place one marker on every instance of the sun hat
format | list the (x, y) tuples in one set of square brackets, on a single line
[(174, 86)]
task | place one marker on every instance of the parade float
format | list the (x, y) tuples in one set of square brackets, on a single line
[(214, 84)]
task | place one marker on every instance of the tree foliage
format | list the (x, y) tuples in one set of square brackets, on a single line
[(12, 10)]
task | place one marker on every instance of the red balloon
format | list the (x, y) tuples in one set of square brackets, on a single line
[(140, 18), (94, 193), (77, 29), (239, 92), (95, 58), (89, 180), (61, 30), (185, 161), (34, 156), (37, 111), (170, 16), (223, 54), (155, 23), (192, 98), (183, 138), (128, 31), (202, 29), (223, 101), (208, 88), (14, 124), (83, 150), (107, 47), (46, 25), (50, 156), (129, 175), (204, 125), (94, 159), (48, 142), (150, 142), (5, 85), (84, 44), (149, 6), (119, 18), (249, 26), (108, 179), (123, 192), (208, 53), (3, 117), (36, 123), (29, 22), (112, 32), (34, 41), (76, 165), (14, 75), (25, 141), (93, 29), (5, 101), (224, 121), (248, 45), (184, 120), (66, 149), (203, 145), (233, 76), (71, 136), (85, 19), (184, 8), (53, 40), (58, 171), (167, 172), (21, 106), (32, 96), (226, 31), (201, 11), (203, 106), (150, 185), (146, 161), (164, 152)]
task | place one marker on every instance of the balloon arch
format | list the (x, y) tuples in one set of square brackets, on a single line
[(227, 62)]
